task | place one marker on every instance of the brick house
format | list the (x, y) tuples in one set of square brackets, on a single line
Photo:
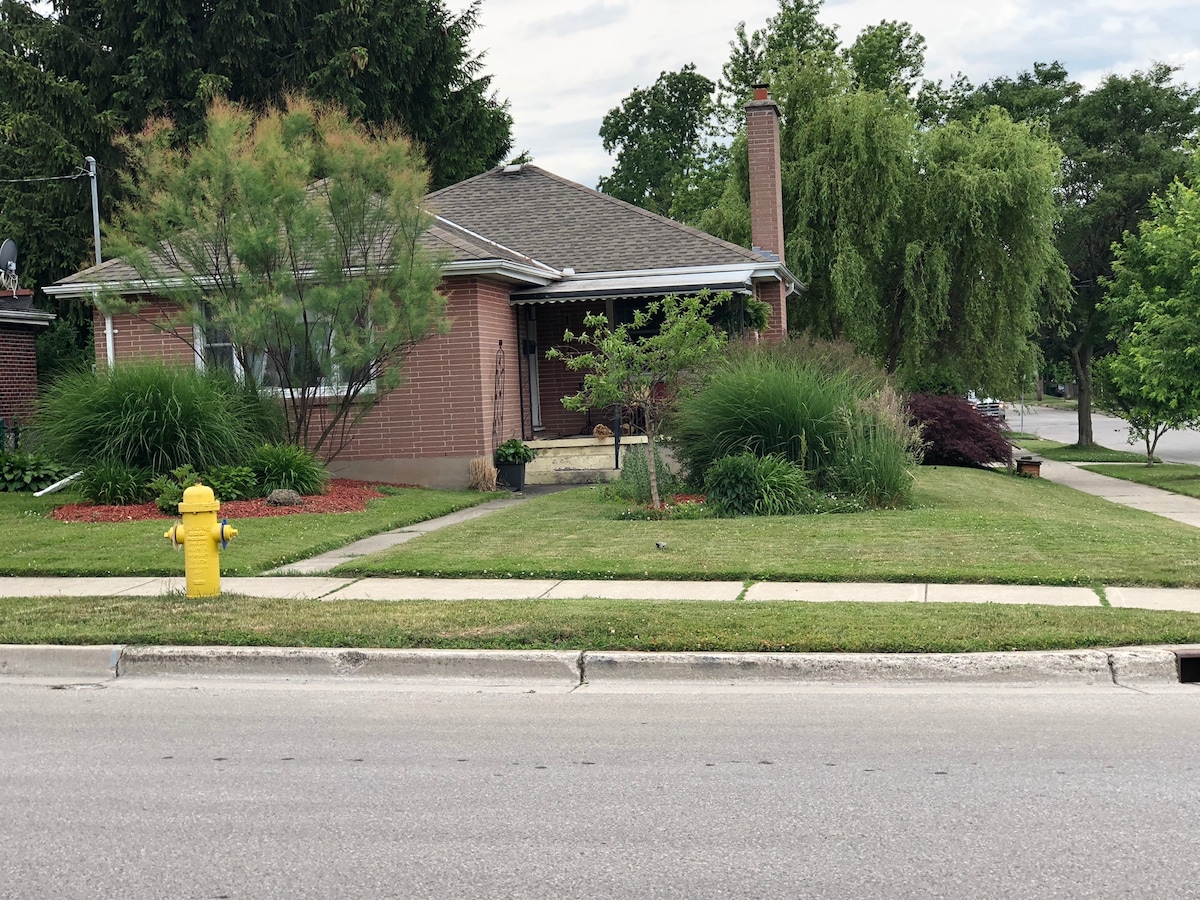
[(19, 324), (529, 254)]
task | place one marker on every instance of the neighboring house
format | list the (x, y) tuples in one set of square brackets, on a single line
[(19, 324), (528, 255)]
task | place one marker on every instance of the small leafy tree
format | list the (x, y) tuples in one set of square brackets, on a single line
[(1125, 390), (643, 371), (1153, 302), (291, 240)]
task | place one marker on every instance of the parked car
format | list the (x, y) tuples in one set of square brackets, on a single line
[(993, 409)]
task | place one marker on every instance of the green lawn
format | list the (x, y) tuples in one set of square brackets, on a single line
[(1072, 453), (36, 544), (968, 526), (1175, 477), (588, 625)]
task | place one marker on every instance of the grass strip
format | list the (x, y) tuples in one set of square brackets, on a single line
[(37, 544), (968, 526), (1074, 453), (1177, 478), (588, 625)]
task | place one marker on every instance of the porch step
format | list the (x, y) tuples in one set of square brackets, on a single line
[(578, 460)]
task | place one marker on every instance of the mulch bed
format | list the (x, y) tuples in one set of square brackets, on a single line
[(343, 495)]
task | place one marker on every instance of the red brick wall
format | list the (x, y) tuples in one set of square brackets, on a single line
[(157, 331), (447, 405), (557, 381), (18, 373), (766, 185), (772, 293)]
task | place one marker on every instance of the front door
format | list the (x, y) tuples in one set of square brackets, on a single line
[(531, 356)]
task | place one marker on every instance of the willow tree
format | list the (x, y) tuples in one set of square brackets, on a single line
[(929, 247), (291, 243)]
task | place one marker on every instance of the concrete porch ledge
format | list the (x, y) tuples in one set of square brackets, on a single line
[(577, 460)]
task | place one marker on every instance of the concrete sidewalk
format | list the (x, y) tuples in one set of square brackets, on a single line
[(1154, 500), (402, 589)]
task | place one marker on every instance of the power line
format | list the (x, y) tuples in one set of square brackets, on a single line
[(79, 173)]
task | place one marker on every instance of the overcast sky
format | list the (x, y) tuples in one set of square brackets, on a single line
[(564, 65)]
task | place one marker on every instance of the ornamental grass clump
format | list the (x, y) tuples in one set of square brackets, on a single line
[(817, 406), (154, 417), (286, 467)]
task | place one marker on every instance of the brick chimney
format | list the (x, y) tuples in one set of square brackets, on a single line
[(766, 200)]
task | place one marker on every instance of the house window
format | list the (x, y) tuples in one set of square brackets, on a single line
[(302, 362)]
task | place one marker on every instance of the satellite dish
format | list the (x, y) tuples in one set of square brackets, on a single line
[(8, 264)]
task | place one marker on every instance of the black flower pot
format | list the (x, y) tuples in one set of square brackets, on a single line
[(511, 474)]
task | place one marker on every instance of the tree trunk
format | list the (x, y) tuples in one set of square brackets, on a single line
[(1081, 362), (651, 468)]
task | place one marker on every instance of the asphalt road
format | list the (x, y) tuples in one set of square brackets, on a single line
[(158, 789), (1063, 425)]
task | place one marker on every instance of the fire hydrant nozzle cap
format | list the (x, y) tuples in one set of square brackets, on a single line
[(199, 498)]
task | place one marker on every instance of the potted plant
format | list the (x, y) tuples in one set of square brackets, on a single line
[(511, 457)]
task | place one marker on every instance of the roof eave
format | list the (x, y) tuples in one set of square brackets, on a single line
[(534, 275), (35, 317)]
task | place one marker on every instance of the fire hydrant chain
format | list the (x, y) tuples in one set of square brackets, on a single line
[(202, 538)]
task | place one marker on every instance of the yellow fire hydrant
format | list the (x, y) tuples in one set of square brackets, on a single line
[(202, 538)]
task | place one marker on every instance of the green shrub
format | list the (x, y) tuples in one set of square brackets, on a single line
[(116, 483), (633, 484), (287, 467), (749, 485), (815, 405), (28, 471), (152, 416), (232, 482), (168, 489)]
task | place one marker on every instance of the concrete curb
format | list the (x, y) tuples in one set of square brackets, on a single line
[(1086, 667), (57, 661), (1130, 666), (540, 667)]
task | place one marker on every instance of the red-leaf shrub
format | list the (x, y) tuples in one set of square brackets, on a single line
[(957, 435)]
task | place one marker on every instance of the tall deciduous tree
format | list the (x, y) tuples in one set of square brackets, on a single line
[(794, 32), (662, 138), (399, 62), (292, 239), (932, 249), (1122, 142), (48, 124), (1153, 306)]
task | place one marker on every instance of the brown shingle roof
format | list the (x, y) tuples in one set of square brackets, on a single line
[(564, 224), (531, 218)]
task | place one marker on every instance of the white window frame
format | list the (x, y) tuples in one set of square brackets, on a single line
[(328, 387)]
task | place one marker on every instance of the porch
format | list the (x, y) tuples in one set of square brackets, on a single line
[(577, 460)]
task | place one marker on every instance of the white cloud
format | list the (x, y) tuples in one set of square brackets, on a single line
[(562, 72)]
